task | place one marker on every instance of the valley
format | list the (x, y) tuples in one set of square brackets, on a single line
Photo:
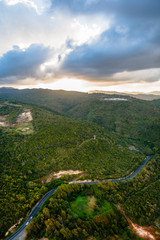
[(79, 120), (78, 206), (56, 140)]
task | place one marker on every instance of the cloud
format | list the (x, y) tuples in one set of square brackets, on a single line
[(111, 53), (22, 24), (120, 8), (28, 3), (95, 40), (38, 5), (130, 44), (23, 63)]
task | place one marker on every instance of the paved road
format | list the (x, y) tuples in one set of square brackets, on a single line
[(31, 215), (35, 210), (133, 174)]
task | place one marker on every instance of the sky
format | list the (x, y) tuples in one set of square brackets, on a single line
[(82, 45)]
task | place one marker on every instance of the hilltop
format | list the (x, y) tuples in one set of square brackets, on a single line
[(35, 143), (133, 118)]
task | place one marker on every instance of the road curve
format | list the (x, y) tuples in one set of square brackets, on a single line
[(47, 195), (133, 174)]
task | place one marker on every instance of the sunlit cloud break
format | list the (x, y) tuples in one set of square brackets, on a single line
[(98, 42)]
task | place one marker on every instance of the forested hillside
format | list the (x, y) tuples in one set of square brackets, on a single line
[(35, 142), (97, 212), (60, 101), (102, 138), (135, 119)]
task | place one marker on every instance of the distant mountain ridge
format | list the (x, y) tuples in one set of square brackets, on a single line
[(75, 95), (140, 95), (134, 118)]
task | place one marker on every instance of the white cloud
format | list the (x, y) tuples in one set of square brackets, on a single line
[(28, 3), (92, 39), (39, 5), (22, 25), (147, 75)]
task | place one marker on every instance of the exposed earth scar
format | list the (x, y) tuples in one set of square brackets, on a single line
[(143, 232)]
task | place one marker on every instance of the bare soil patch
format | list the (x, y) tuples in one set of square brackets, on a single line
[(81, 181), (60, 174), (92, 202), (23, 123), (3, 121), (143, 232), (25, 117), (13, 227)]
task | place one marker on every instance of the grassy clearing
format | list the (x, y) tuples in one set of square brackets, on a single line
[(81, 207), (10, 117), (106, 207), (87, 206), (26, 128)]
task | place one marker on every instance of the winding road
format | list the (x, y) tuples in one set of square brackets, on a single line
[(47, 195)]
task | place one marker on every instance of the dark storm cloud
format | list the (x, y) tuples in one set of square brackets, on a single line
[(136, 9), (18, 63), (132, 42), (113, 52)]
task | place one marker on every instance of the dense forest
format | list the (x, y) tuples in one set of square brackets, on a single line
[(102, 139), (56, 143), (91, 212), (135, 119)]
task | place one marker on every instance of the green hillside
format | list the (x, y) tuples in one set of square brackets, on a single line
[(35, 142), (92, 212), (56, 140), (44, 131), (60, 101), (135, 119)]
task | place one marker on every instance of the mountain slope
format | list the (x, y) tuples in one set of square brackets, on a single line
[(104, 211), (55, 143), (135, 119), (57, 100)]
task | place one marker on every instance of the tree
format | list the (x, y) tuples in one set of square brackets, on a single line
[(46, 212), (66, 232)]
